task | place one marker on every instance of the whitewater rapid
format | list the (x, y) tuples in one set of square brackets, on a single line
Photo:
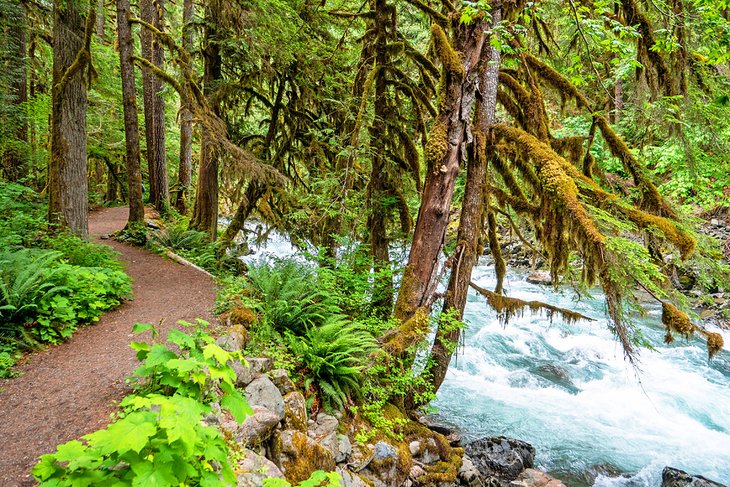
[(568, 391)]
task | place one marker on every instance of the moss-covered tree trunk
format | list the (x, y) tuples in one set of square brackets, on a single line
[(15, 158), (205, 212), (444, 153), (152, 12), (185, 169), (471, 222), (67, 182), (131, 125), (378, 187)]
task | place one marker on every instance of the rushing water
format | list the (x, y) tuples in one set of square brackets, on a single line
[(568, 391)]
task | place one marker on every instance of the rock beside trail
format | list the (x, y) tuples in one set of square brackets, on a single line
[(257, 427), (253, 469), (673, 477), (263, 392), (501, 457)]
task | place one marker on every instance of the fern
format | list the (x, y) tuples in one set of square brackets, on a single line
[(335, 354), (288, 295)]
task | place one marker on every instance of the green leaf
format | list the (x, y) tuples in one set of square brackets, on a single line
[(131, 433), (213, 350), (149, 475), (235, 403), (142, 327), (45, 468), (183, 340)]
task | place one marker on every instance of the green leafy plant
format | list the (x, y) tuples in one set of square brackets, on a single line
[(317, 479), (177, 237), (160, 441), (160, 438), (335, 355), (288, 295), (201, 369)]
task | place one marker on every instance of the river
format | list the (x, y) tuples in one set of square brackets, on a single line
[(568, 391)]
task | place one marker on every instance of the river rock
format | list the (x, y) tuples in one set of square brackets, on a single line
[(323, 426), (536, 478), (468, 473), (540, 277), (674, 477), (281, 380), (501, 457), (253, 469), (298, 455), (263, 392), (258, 427), (230, 342), (382, 469), (350, 479), (295, 412)]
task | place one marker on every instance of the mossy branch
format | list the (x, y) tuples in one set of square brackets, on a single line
[(507, 308), (450, 58), (424, 7), (83, 57)]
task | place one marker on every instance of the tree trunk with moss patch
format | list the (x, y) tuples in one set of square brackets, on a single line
[(472, 216), (205, 212), (444, 153), (131, 125), (67, 182), (185, 169)]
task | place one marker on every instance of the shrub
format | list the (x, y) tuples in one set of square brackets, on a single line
[(288, 295), (335, 355), (160, 438)]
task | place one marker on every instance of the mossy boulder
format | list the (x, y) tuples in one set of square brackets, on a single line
[(299, 455), (295, 412)]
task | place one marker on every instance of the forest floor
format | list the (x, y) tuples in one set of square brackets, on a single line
[(70, 390)]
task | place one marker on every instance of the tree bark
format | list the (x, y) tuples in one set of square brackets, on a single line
[(184, 175), (443, 156), (152, 12), (205, 213), (16, 156), (131, 125), (472, 211), (68, 184), (100, 19), (378, 187)]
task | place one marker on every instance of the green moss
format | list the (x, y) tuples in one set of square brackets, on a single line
[(437, 146), (450, 59), (443, 472)]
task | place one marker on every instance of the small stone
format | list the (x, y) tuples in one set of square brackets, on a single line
[(344, 448), (323, 426), (415, 447), (258, 427), (537, 478), (468, 473), (416, 471), (229, 342), (540, 277), (263, 392), (281, 380), (715, 222), (350, 479), (253, 469)]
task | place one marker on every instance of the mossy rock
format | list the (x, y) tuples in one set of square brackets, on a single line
[(299, 456)]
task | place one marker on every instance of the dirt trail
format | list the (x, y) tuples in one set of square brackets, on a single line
[(70, 390)]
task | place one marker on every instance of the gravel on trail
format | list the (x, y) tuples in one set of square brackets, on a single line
[(70, 390)]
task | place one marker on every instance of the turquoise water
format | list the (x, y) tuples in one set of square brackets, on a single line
[(569, 392)]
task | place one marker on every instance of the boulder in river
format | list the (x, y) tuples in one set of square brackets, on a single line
[(674, 477), (501, 457), (540, 277)]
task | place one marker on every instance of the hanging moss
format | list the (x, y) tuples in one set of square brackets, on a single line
[(450, 59), (714, 344), (676, 321), (564, 87), (620, 150), (507, 308)]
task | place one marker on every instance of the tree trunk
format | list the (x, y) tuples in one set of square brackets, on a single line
[(184, 175), (378, 188), (100, 19), (205, 213), (152, 12), (443, 156), (68, 183), (16, 156), (131, 125), (472, 211)]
